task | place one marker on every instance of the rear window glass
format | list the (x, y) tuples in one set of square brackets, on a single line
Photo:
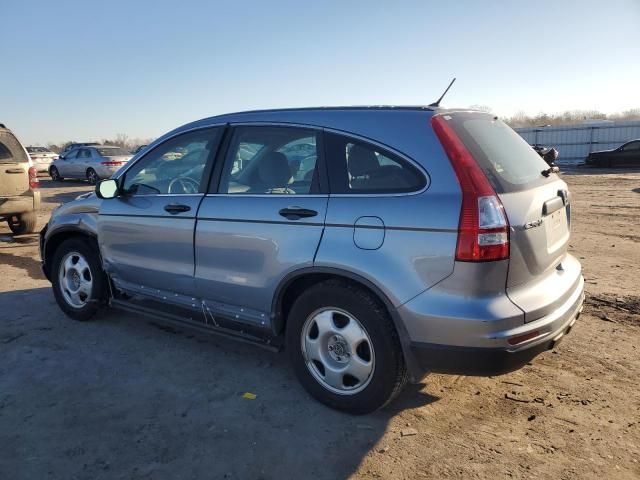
[(5, 154), (112, 152), (10, 149), (506, 158), (38, 150)]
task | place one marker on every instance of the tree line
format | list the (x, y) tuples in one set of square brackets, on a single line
[(568, 117), (120, 140)]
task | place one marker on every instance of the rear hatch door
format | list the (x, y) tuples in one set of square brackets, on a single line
[(540, 276), (14, 166)]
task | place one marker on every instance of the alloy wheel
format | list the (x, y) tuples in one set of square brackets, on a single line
[(76, 280), (338, 351)]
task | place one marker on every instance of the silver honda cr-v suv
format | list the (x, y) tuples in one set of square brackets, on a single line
[(374, 244)]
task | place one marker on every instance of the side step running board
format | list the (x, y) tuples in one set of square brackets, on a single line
[(180, 321)]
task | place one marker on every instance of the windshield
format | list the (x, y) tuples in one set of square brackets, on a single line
[(505, 157), (38, 150), (112, 152)]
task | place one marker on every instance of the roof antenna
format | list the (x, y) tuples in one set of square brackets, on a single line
[(437, 103)]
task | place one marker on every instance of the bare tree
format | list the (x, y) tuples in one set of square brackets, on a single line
[(520, 119)]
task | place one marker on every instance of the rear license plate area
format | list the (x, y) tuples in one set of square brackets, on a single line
[(556, 227)]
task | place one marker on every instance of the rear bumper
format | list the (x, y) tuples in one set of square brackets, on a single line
[(467, 325), (43, 167), (104, 171), (467, 360), (20, 204), (484, 361)]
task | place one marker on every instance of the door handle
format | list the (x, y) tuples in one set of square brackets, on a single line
[(174, 208), (296, 213), (14, 170)]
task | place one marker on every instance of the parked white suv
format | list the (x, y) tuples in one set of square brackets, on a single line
[(19, 195)]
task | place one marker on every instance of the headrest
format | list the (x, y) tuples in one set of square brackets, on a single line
[(274, 171), (361, 160)]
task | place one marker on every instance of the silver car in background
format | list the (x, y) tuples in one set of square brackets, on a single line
[(42, 158), (91, 163)]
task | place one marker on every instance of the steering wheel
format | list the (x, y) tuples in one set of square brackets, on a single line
[(188, 185)]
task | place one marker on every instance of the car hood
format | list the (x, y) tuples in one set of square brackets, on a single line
[(86, 203)]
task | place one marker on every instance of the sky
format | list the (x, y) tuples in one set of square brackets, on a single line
[(89, 70)]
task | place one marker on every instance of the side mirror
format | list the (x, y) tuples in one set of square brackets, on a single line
[(107, 189)]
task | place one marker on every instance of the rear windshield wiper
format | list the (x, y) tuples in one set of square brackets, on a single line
[(549, 171)]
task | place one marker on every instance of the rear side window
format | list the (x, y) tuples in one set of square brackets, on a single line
[(506, 158), (630, 147), (359, 167)]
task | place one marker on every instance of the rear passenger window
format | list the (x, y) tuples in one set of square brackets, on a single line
[(271, 160), (359, 167)]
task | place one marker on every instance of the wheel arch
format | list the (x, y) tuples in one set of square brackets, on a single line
[(299, 280), (56, 239)]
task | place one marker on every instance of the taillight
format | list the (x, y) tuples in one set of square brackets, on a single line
[(111, 164), (33, 178), (483, 229)]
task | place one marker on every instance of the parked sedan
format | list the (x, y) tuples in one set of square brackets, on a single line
[(42, 158), (92, 163), (625, 155)]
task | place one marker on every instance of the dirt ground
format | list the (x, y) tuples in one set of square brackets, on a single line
[(122, 397)]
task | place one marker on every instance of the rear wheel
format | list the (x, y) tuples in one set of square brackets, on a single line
[(92, 176), (79, 284), (23, 223), (55, 175), (344, 348)]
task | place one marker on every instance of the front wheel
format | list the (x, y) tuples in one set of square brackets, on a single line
[(79, 284), (55, 175), (92, 176), (23, 223), (344, 347)]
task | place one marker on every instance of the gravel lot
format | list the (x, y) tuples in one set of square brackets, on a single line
[(122, 397)]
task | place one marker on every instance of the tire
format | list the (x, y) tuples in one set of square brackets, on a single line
[(79, 255), (92, 176), (23, 223), (55, 175), (336, 304)]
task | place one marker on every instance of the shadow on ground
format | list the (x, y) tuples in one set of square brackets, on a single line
[(11, 253), (122, 398), (75, 188)]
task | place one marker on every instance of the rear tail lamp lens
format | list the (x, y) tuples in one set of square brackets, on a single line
[(33, 178), (483, 228)]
